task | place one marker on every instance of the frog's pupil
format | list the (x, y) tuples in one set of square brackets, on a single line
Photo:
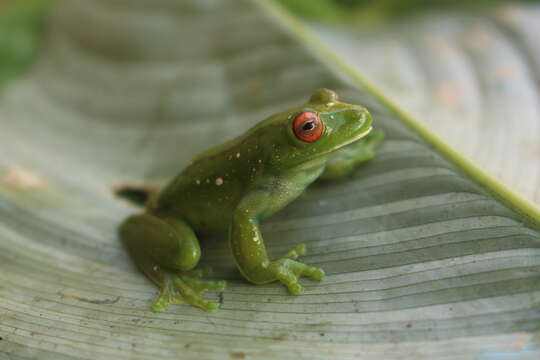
[(308, 126)]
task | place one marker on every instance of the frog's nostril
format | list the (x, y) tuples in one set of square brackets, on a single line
[(359, 115)]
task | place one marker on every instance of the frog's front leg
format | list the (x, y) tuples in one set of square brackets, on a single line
[(167, 250), (345, 160), (250, 253)]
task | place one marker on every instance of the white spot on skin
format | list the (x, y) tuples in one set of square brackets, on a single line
[(237, 155), (198, 181), (219, 181), (332, 117), (260, 161), (155, 268)]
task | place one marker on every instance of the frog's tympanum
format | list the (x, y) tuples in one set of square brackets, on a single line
[(232, 187)]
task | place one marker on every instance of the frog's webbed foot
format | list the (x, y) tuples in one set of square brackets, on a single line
[(344, 161), (373, 139), (186, 288), (288, 271)]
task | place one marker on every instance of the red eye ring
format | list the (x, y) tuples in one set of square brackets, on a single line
[(307, 126)]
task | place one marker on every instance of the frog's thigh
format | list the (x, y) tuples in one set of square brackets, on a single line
[(168, 242)]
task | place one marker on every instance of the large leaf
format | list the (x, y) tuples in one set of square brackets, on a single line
[(422, 261), (471, 77)]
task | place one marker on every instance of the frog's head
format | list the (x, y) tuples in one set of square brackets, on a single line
[(322, 125)]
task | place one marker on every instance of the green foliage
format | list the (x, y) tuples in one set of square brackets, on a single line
[(372, 10), (20, 22), (316, 9)]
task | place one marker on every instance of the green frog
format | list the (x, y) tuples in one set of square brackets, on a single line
[(232, 187)]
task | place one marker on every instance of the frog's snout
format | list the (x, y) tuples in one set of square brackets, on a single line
[(359, 120), (361, 115)]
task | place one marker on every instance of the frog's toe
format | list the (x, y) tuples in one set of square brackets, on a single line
[(295, 288), (195, 299), (290, 281), (288, 272), (180, 288), (211, 306), (205, 285), (160, 304), (314, 273), (191, 289), (300, 249), (205, 271), (297, 251), (200, 285)]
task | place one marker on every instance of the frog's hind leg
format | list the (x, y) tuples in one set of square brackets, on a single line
[(167, 250)]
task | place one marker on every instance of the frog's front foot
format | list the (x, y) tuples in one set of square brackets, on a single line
[(186, 288), (288, 271)]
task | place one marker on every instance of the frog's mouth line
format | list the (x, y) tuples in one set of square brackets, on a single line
[(357, 137)]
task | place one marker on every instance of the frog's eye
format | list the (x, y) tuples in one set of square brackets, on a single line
[(307, 126)]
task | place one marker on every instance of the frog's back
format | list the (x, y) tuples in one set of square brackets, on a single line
[(207, 191)]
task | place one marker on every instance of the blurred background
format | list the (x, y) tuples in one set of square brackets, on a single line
[(468, 70)]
